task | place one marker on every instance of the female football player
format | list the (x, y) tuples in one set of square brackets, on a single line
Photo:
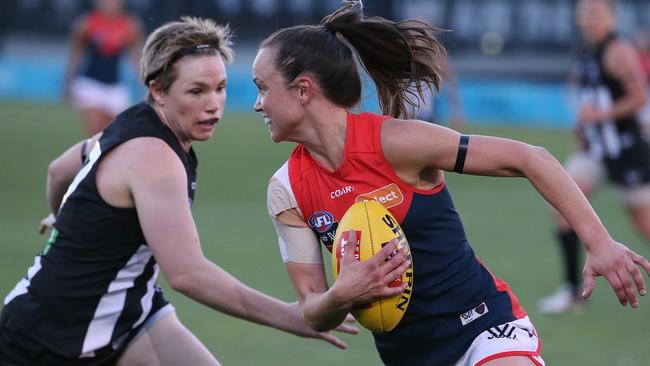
[(612, 145), (91, 296), (459, 314), (92, 79)]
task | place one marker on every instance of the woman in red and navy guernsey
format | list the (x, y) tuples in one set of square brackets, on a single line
[(460, 313), (92, 79)]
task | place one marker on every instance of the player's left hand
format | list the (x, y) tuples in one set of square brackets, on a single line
[(620, 266), (46, 224), (327, 336)]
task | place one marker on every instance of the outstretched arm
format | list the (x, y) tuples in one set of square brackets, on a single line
[(159, 193), (413, 147)]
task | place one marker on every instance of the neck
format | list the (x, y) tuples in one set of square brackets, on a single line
[(186, 144), (325, 138)]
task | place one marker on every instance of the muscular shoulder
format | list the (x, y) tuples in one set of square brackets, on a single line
[(147, 157), (621, 55)]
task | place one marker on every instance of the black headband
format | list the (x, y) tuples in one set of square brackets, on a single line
[(191, 50)]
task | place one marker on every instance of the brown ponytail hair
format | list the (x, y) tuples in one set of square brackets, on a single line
[(402, 58)]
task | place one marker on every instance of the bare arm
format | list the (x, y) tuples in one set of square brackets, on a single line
[(63, 169), (159, 193), (60, 174), (413, 147), (622, 62)]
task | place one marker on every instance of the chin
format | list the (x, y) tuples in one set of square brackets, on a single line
[(203, 136), (276, 138)]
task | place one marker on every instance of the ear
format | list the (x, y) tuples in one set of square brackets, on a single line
[(157, 94), (305, 85)]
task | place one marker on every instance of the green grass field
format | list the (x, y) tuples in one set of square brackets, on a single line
[(507, 223)]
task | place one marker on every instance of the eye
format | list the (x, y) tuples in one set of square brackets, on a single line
[(195, 91)]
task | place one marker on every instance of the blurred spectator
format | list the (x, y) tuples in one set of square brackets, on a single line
[(426, 110), (92, 80), (611, 90)]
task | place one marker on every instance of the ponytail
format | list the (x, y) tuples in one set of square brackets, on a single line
[(403, 58)]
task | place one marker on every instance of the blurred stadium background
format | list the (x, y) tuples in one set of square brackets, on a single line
[(511, 58)]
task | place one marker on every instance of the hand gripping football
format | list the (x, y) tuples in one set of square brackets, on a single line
[(375, 227)]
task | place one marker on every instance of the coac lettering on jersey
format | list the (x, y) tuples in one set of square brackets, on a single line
[(341, 191)]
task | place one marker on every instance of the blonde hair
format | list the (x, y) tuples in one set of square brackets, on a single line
[(168, 43)]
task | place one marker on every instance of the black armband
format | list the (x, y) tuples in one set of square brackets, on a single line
[(462, 152)]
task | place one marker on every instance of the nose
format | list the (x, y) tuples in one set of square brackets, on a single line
[(258, 104), (215, 102)]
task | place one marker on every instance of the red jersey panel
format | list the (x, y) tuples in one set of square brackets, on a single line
[(109, 34)]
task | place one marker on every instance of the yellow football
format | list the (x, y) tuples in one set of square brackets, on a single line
[(375, 227)]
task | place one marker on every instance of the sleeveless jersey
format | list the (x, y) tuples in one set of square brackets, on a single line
[(455, 297), (619, 143), (95, 283), (107, 38)]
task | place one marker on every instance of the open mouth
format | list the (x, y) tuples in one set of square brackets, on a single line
[(209, 122), (267, 120)]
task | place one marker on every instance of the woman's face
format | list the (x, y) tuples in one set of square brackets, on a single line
[(111, 7), (595, 19), (278, 102), (195, 101)]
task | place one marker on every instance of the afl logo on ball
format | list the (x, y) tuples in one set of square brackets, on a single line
[(321, 221)]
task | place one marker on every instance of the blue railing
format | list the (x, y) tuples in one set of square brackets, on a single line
[(506, 102)]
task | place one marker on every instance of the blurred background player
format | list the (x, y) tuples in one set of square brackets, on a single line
[(642, 42), (425, 107), (611, 90), (92, 79)]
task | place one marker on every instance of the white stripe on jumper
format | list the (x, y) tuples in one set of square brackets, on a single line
[(147, 299), (92, 159), (111, 304), (21, 287)]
